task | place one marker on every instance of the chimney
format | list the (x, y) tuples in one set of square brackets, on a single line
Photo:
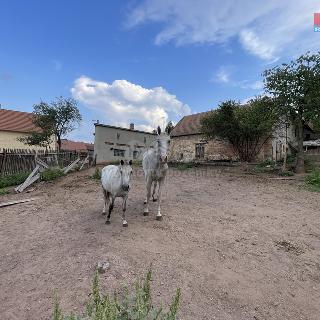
[(131, 126)]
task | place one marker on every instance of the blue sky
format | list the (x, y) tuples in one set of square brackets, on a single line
[(145, 61)]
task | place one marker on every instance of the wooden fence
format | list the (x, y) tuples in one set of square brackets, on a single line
[(20, 160)]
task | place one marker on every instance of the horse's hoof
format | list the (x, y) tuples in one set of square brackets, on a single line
[(154, 200), (108, 222), (145, 201), (159, 218), (146, 214), (104, 213), (125, 224)]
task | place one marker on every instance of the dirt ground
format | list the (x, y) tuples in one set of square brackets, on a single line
[(239, 246)]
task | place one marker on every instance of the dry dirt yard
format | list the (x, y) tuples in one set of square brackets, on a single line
[(240, 247)]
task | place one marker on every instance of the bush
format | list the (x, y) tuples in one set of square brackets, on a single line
[(13, 179), (313, 180), (126, 306), (51, 174), (97, 174)]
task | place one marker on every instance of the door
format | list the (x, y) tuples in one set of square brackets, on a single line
[(199, 151)]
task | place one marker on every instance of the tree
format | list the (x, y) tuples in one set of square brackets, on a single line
[(296, 89), (54, 119), (169, 127), (246, 127)]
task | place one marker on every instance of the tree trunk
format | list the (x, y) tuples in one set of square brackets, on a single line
[(59, 142), (300, 155)]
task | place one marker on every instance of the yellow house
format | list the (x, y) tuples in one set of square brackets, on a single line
[(14, 125)]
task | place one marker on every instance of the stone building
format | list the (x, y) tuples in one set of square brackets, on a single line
[(114, 143), (189, 144)]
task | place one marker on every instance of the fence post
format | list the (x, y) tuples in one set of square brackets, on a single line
[(3, 162)]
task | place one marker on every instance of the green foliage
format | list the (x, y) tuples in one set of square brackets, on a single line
[(97, 174), (169, 127), (286, 173), (295, 87), (13, 179), (135, 305), (51, 174), (246, 127), (185, 166), (56, 118), (3, 191), (313, 180)]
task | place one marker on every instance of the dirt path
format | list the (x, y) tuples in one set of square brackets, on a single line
[(239, 247)]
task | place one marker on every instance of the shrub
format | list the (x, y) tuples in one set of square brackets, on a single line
[(13, 179), (51, 174), (97, 174), (313, 180), (136, 304)]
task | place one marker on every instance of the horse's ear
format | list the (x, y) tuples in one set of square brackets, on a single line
[(159, 130), (121, 162), (130, 162)]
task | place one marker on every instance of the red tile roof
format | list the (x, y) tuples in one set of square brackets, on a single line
[(17, 121), (188, 125), (75, 145)]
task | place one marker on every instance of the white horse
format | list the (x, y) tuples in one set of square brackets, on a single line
[(116, 183), (155, 169)]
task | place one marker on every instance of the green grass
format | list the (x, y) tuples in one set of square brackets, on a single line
[(128, 305), (312, 180), (51, 174), (286, 173), (13, 179), (4, 191), (97, 174), (185, 166)]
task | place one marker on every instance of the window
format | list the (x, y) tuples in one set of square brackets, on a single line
[(199, 150), (118, 135), (118, 152), (135, 154)]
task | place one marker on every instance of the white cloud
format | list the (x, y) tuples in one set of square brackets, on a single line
[(122, 102), (222, 76), (267, 29), (255, 85)]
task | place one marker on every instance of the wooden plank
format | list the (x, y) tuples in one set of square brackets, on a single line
[(86, 160), (71, 166), (42, 163), (10, 203), (26, 182)]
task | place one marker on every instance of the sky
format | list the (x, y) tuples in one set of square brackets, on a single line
[(145, 62)]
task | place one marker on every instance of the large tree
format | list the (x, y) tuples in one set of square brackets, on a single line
[(54, 119), (296, 89), (169, 127), (247, 127)]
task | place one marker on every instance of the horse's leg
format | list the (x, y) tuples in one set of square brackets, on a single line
[(106, 200), (110, 209), (146, 209), (124, 208), (159, 216), (154, 191)]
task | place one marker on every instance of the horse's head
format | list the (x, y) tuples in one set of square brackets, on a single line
[(125, 172), (162, 145)]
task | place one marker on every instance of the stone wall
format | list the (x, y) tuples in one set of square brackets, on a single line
[(183, 149)]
